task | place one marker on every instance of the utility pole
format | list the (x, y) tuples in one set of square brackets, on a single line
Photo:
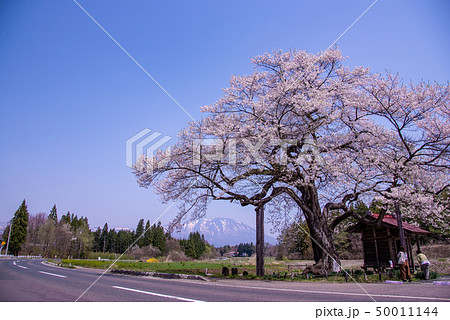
[(9, 236), (259, 240)]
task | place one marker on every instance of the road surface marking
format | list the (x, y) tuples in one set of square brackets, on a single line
[(157, 294), (53, 274), (330, 292), (14, 263), (441, 283)]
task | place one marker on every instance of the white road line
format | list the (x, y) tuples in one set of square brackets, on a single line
[(53, 274), (331, 292), (15, 263), (157, 294)]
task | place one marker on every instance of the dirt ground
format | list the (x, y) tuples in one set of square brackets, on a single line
[(438, 255)]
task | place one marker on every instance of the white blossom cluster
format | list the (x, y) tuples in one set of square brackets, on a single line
[(305, 127)]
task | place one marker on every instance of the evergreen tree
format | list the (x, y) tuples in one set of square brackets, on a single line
[(104, 237), (66, 218), (139, 230), (112, 241), (158, 237), (246, 249), (97, 244), (19, 229), (361, 208), (147, 239), (194, 246), (294, 239), (375, 207), (124, 240), (53, 214)]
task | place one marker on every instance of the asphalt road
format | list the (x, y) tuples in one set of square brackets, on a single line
[(32, 280)]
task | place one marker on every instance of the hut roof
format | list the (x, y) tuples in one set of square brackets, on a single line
[(390, 222)]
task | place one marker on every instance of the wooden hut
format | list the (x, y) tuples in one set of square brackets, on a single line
[(381, 242)]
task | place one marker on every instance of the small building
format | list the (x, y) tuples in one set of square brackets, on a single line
[(382, 242), (232, 253)]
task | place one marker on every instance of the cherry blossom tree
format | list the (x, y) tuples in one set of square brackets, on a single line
[(308, 129), (415, 160)]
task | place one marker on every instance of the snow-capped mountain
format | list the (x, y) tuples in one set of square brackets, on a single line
[(221, 231)]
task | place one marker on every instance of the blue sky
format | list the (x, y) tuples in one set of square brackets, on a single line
[(70, 97)]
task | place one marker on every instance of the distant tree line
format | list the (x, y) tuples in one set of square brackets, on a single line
[(70, 236), (45, 235), (194, 246), (246, 249), (110, 240)]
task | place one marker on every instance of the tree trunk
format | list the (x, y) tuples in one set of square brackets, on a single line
[(401, 232), (320, 233), (323, 246), (259, 241)]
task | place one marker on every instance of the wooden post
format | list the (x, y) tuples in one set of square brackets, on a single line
[(376, 247), (417, 242), (259, 241), (410, 254), (391, 243)]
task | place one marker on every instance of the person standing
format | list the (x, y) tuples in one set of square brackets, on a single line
[(424, 264), (402, 258)]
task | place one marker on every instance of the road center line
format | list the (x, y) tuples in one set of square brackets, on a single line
[(157, 294), (22, 267), (53, 274)]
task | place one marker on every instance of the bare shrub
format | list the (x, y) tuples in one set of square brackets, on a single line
[(172, 244), (176, 256), (144, 253), (151, 251)]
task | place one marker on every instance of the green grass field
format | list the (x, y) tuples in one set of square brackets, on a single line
[(194, 267), (190, 267), (274, 270)]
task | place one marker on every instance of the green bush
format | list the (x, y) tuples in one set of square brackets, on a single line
[(344, 271), (396, 274), (359, 272), (420, 275)]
